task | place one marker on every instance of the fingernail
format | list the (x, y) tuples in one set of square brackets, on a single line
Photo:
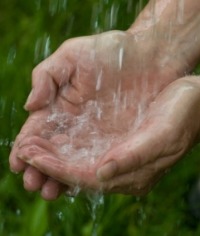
[(24, 158), (29, 99), (107, 171)]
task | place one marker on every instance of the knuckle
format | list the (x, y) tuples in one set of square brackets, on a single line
[(39, 69), (32, 150), (35, 71)]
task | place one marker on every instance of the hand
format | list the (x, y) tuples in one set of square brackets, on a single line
[(135, 164), (171, 127), (106, 68)]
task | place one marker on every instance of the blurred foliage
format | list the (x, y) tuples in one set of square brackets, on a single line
[(30, 31)]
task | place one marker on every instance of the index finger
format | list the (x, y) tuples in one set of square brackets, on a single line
[(47, 77)]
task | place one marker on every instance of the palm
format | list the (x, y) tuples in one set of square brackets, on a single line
[(142, 158), (106, 80)]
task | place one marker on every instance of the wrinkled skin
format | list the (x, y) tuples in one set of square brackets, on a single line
[(139, 161), (96, 68)]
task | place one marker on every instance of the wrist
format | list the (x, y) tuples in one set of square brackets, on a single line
[(160, 55), (172, 30)]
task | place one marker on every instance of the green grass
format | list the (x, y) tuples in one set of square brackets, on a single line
[(25, 28)]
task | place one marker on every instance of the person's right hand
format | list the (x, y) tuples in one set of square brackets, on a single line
[(135, 164), (111, 68)]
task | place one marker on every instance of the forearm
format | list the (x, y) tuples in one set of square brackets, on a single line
[(192, 107), (174, 25)]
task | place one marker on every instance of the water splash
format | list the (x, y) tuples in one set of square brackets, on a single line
[(5, 142), (96, 201), (76, 145), (90, 135)]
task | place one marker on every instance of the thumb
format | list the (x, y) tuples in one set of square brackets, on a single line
[(143, 147), (43, 92), (47, 78)]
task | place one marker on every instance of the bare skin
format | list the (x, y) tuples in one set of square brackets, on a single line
[(71, 80), (142, 60), (138, 162)]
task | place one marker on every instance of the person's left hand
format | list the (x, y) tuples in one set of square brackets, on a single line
[(114, 70), (134, 165)]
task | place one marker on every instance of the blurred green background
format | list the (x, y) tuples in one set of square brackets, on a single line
[(29, 32)]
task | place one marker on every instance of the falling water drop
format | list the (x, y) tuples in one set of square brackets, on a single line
[(49, 234), (121, 54), (139, 6), (60, 215), (99, 80), (56, 6), (142, 216), (47, 47), (180, 11), (130, 6), (18, 212), (13, 113), (95, 18), (113, 16), (42, 48), (11, 55), (96, 204)]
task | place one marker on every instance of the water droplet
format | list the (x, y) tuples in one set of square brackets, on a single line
[(11, 55), (130, 6), (42, 48), (142, 216), (18, 212), (73, 192), (13, 113), (49, 234), (139, 6), (95, 18), (180, 11), (71, 199), (112, 16), (60, 215), (121, 54), (5, 142), (47, 47), (56, 6), (99, 79), (96, 201)]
